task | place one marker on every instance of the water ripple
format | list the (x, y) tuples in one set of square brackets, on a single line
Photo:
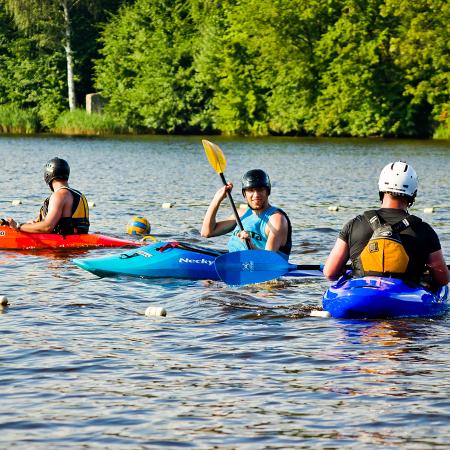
[(81, 366)]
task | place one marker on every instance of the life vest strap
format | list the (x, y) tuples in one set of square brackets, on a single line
[(375, 221)]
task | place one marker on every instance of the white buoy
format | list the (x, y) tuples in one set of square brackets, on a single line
[(91, 204), (16, 202), (155, 311), (317, 313), (167, 205), (333, 208), (3, 301), (429, 210)]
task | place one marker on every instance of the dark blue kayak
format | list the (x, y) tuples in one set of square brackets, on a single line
[(377, 298), (158, 260)]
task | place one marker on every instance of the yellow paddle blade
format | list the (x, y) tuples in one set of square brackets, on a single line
[(215, 156)]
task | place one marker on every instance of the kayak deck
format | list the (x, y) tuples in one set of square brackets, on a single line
[(157, 260), (378, 297), (17, 240)]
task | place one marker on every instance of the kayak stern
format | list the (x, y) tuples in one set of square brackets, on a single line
[(378, 297)]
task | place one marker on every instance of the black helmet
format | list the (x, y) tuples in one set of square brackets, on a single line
[(255, 178), (56, 168)]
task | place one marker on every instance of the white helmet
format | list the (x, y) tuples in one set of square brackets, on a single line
[(399, 178)]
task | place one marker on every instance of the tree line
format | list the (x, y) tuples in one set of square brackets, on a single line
[(254, 67)]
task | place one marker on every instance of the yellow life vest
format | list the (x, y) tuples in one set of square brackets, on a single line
[(78, 222), (384, 255)]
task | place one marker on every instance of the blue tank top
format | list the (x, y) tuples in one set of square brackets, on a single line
[(256, 226)]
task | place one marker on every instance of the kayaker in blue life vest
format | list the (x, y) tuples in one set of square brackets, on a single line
[(388, 241), (265, 227), (65, 212)]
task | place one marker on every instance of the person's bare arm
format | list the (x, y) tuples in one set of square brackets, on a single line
[(55, 210), (335, 263), (277, 232), (438, 268), (210, 226)]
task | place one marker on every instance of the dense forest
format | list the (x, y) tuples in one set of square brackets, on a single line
[(253, 67)]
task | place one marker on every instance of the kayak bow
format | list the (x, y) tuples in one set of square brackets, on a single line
[(158, 260), (18, 240), (378, 297)]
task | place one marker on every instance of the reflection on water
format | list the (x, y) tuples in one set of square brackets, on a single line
[(391, 360), (228, 367), (57, 253)]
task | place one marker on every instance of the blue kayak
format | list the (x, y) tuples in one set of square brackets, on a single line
[(158, 260), (377, 298)]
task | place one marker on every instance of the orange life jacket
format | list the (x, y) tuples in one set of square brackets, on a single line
[(384, 255)]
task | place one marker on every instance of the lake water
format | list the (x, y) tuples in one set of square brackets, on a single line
[(81, 366)]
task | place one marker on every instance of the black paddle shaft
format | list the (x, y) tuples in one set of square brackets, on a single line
[(236, 215), (233, 206)]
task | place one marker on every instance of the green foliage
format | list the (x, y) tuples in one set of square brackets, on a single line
[(257, 67), (422, 51), (16, 120), (443, 129), (263, 75), (295, 67), (226, 64), (360, 90), (79, 122), (36, 16), (147, 71), (30, 76), (63, 29), (87, 20)]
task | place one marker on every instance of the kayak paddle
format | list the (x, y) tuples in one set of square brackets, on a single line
[(218, 162), (256, 266)]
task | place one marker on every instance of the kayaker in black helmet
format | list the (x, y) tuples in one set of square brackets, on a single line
[(65, 211), (388, 241), (265, 226)]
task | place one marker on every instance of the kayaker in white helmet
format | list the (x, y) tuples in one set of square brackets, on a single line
[(65, 211), (389, 241), (265, 227)]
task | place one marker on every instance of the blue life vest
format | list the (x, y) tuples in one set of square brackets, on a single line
[(256, 225)]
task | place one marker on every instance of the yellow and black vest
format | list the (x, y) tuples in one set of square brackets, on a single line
[(384, 255), (78, 223)]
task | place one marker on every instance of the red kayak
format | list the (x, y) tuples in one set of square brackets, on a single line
[(18, 240)]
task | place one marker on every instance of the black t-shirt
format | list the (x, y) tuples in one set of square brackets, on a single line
[(419, 239)]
